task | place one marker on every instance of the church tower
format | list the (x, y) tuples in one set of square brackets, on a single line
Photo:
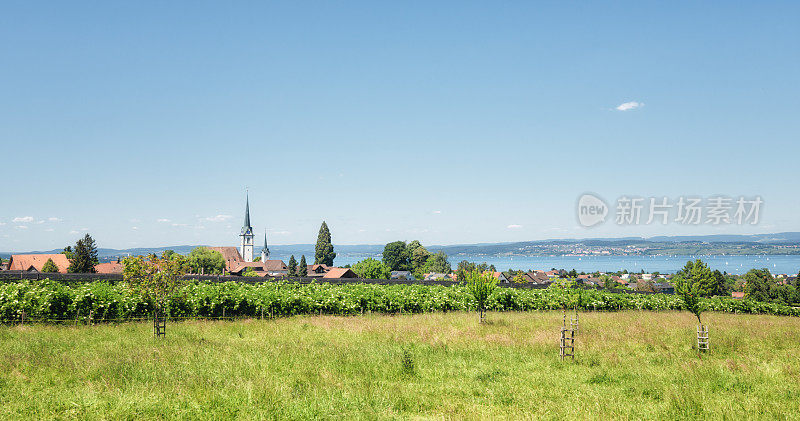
[(246, 249), (265, 250)]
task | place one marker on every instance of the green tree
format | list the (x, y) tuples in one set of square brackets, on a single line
[(646, 286), (437, 263), (204, 261), (249, 272), (370, 268), (302, 268), (167, 254), (49, 266), (758, 283), (155, 279), (84, 256), (419, 255), (481, 285), (691, 290), (395, 256), (257, 259), (608, 282), (292, 267), (707, 283), (462, 269), (323, 254), (68, 252)]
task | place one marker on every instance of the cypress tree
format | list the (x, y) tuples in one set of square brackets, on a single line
[(323, 253), (292, 266), (302, 268)]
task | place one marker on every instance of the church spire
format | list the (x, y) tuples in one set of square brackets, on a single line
[(265, 250), (247, 213), (246, 248)]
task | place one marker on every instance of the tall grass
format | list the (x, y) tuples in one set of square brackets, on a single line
[(629, 365)]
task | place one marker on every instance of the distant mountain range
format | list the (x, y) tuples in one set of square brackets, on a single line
[(777, 243)]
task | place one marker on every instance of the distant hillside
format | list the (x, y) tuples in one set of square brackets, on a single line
[(701, 244)]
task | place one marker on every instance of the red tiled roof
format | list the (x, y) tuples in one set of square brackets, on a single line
[(266, 266), (111, 267), (37, 261), (318, 268), (274, 265), (231, 256), (229, 253), (338, 273)]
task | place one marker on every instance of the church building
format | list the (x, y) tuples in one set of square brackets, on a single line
[(238, 260)]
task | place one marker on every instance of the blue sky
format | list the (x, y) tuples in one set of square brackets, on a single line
[(449, 122)]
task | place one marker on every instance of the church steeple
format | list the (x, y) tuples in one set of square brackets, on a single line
[(246, 227), (265, 250), (246, 248)]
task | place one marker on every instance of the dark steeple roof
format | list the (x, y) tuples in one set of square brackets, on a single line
[(247, 229), (266, 249)]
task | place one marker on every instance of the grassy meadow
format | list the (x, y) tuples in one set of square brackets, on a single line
[(439, 365)]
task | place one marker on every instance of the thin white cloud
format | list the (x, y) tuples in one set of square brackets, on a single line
[(134, 228), (54, 219), (49, 229), (632, 105), (218, 218), (41, 221), (437, 212), (22, 227), (74, 232), (2, 223), (514, 226), (163, 220), (23, 219), (281, 232), (179, 225)]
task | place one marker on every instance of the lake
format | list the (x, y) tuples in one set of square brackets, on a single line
[(789, 265)]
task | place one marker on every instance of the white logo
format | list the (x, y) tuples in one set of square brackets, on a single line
[(591, 210)]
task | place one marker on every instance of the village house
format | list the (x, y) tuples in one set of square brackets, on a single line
[(401, 274), (500, 277), (317, 271), (539, 277), (593, 281), (435, 276), (340, 273), (664, 287), (236, 265), (35, 262), (110, 267)]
